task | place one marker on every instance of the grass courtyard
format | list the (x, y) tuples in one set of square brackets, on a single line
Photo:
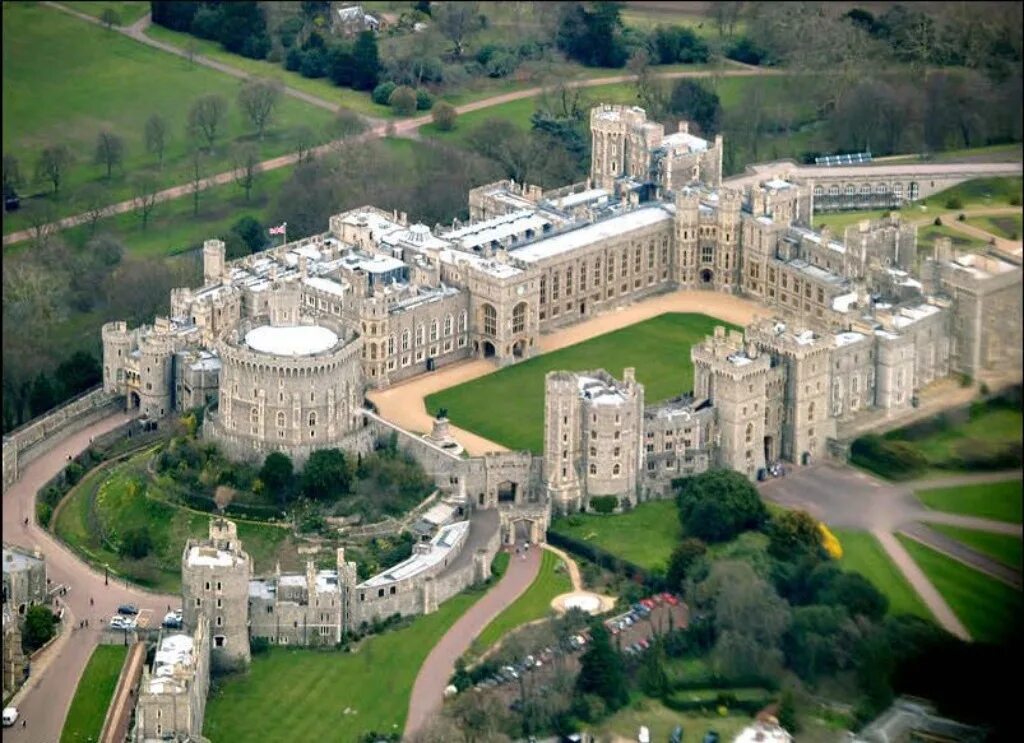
[(507, 406), (862, 553), (992, 500), (535, 603), (94, 694), (315, 695), (990, 610), (1004, 548), (645, 536), (103, 80)]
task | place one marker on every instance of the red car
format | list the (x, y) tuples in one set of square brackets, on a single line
[(658, 599), (672, 600), (649, 603)]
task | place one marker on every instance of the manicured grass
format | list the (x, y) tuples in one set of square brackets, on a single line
[(128, 11), (862, 553), (507, 406), (94, 693), (661, 721), (1004, 548), (989, 425), (990, 610), (102, 79), (926, 237), (110, 502), (1005, 226), (837, 222), (535, 603), (992, 500), (309, 691), (645, 536), (979, 192), (500, 564)]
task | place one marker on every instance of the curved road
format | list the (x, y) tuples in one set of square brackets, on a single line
[(437, 669), (45, 699)]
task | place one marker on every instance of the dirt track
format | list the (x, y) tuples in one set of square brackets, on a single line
[(403, 404)]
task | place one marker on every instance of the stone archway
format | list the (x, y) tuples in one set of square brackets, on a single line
[(706, 276), (507, 492), (519, 349), (489, 350), (134, 401), (523, 529)]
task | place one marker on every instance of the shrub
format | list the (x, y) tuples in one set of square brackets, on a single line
[(1015, 201), (746, 51), (424, 101), (717, 505), (136, 543), (896, 460), (830, 542), (73, 473), (966, 380), (39, 621), (983, 389), (962, 217), (603, 503), (382, 93), (937, 222), (444, 116), (403, 100), (954, 202), (259, 645)]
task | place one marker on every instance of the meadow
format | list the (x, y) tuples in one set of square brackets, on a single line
[(94, 694), (507, 406)]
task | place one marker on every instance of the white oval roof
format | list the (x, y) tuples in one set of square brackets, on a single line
[(291, 340)]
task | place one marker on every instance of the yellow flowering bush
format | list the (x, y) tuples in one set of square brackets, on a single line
[(830, 543)]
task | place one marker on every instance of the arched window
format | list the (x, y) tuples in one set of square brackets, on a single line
[(881, 188), (833, 190), (433, 330), (373, 351), (616, 469), (254, 415), (865, 188), (519, 318), (593, 469), (914, 190), (312, 419), (280, 419), (420, 334), (490, 320), (850, 189), (819, 191), (406, 337), (448, 325)]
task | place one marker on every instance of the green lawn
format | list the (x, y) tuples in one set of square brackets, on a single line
[(507, 406), (863, 554), (661, 721), (109, 501), (979, 192), (309, 691), (1006, 226), (993, 500), (102, 79), (128, 11), (926, 237), (988, 609), (94, 693), (645, 536), (990, 426), (535, 603), (839, 221), (1004, 548)]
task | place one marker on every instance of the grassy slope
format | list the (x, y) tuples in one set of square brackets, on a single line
[(535, 603), (645, 536), (102, 79), (93, 695), (995, 500), (986, 607), (863, 554), (991, 425), (1008, 227), (1004, 548), (508, 405), (375, 681), (128, 11)]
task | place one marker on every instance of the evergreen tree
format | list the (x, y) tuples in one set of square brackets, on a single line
[(42, 397), (601, 670), (366, 61)]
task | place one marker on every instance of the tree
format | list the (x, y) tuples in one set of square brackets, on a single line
[(718, 504), (787, 712), (11, 175), (653, 678), (95, 201), (601, 670), (811, 643), (857, 595), (593, 38), (305, 140), (53, 164), (347, 123), (457, 21), (247, 167), (683, 557), (110, 18), (277, 472), (144, 197), (792, 534), (698, 105), (39, 621), (365, 61), (155, 136), (195, 175), (42, 396), (136, 542), (326, 475), (444, 116), (725, 16), (77, 373), (403, 100), (258, 99), (109, 150), (206, 116), (382, 93)]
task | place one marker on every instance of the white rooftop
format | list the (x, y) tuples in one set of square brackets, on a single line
[(209, 557), (291, 340), (843, 302), (492, 267), (910, 315), (330, 286), (684, 139), (593, 233), (439, 548), (583, 197), (778, 184), (598, 391), (761, 732), (849, 337)]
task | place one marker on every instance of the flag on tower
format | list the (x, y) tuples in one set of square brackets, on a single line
[(279, 230)]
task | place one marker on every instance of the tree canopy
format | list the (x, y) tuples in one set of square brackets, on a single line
[(717, 505), (326, 475)]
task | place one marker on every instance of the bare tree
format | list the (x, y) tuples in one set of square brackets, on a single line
[(725, 16), (12, 175), (247, 167), (109, 150), (156, 137), (95, 201), (196, 168), (258, 99), (191, 47), (53, 164), (457, 21), (144, 197), (305, 140), (206, 116), (41, 218), (653, 96)]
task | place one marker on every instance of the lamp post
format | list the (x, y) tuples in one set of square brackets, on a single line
[(106, 574)]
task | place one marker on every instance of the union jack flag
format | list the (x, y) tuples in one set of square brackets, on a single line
[(279, 230)]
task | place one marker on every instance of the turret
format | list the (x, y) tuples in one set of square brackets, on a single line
[(117, 344), (213, 261)]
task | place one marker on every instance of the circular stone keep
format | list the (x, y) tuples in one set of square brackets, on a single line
[(291, 340)]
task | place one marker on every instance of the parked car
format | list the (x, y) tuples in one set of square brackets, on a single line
[(171, 621), (677, 735), (711, 737), (118, 622), (128, 609), (10, 716)]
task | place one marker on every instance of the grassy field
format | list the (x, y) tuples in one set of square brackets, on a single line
[(1004, 548), (988, 609), (128, 11), (535, 603), (995, 426), (926, 237), (645, 536), (863, 554), (979, 192), (507, 406), (94, 694), (110, 501), (102, 79), (993, 500), (318, 695), (661, 721), (1007, 227)]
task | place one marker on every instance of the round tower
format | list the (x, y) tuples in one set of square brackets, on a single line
[(687, 226), (213, 261), (117, 344), (156, 373)]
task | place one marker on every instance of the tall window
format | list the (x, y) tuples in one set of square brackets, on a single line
[(312, 419), (433, 330), (420, 334), (280, 419), (490, 320), (519, 318), (406, 337), (463, 321), (448, 325), (391, 345)]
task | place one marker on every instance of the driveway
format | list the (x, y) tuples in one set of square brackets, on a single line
[(46, 697)]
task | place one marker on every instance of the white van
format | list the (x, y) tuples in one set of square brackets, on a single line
[(10, 716)]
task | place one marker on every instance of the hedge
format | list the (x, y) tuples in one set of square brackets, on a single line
[(607, 560)]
